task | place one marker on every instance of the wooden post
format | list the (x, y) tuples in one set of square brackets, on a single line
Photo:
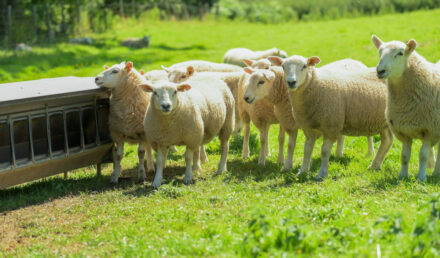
[(121, 8), (159, 6), (217, 10), (105, 18), (63, 20), (167, 6), (10, 25), (200, 11), (49, 30), (98, 169), (34, 21), (133, 8)]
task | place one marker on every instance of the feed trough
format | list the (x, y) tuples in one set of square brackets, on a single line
[(51, 126)]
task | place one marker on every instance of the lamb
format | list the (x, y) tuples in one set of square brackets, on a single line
[(137, 42), (348, 102), (128, 104), (236, 56), (261, 114), (413, 103), (156, 75), (188, 114), (81, 41), (179, 72)]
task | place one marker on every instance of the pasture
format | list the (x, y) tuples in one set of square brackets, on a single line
[(250, 210)]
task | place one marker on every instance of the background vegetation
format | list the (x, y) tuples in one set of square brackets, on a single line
[(250, 210)]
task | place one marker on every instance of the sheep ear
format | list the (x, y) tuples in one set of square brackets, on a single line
[(165, 69), (269, 76), (142, 72), (189, 71), (248, 70), (128, 66), (248, 62), (105, 67), (275, 60), (314, 60), (376, 41), (410, 46), (183, 87), (146, 87)]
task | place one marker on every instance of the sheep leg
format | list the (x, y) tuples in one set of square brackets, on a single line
[(173, 148), (281, 136), (150, 157), (224, 148), (160, 154), (203, 156), (267, 147), (290, 150), (340, 146), (325, 156), (141, 157), (370, 146), (165, 156), (264, 135), (386, 140), (423, 160), (431, 160), (189, 155), (405, 156), (245, 152), (437, 163), (196, 160), (308, 149), (118, 154)]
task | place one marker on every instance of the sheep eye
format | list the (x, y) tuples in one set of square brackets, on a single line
[(304, 67), (183, 76), (400, 54), (115, 71), (260, 82), (155, 93)]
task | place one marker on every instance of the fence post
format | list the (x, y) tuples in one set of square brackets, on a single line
[(78, 14), (121, 7), (10, 25), (63, 20), (49, 31), (217, 10), (200, 11), (167, 6), (34, 21)]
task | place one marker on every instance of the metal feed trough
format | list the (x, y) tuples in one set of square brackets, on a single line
[(51, 126)]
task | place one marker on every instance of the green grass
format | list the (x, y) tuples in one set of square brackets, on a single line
[(250, 210)]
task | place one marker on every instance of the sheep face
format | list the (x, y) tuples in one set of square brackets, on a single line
[(111, 77), (165, 97), (296, 69), (178, 75), (258, 84), (259, 64), (393, 57)]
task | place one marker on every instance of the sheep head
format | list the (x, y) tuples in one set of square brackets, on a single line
[(112, 77), (258, 84), (165, 94)]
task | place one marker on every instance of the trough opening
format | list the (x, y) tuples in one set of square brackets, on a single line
[(104, 133), (56, 122), (89, 126), (73, 130), (22, 145), (39, 137), (5, 145)]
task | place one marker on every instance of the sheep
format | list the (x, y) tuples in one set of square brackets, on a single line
[(22, 47), (156, 75), (236, 56), (128, 104), (261, 114), (137, 42), (179, 72), (348, 102), (188, 114), (81, 41), (413, 103)]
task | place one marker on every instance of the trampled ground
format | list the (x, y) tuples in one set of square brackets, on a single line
[(250, 210)]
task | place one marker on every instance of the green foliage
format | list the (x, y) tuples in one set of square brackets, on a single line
[(251, 210)]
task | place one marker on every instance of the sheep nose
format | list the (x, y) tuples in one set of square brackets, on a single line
[(96, 79), (380, 73), (246, 99), (166, 107), (291, 84)]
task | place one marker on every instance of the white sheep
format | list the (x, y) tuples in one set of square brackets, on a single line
[(413, 103), (155, 75), (137, 42), (189, 114), (236, 56), (261, 113), (333, 103), (128, 104)]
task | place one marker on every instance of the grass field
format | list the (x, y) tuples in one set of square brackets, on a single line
[(250, 210)]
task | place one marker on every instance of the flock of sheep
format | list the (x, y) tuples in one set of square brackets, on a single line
[(191, 102)]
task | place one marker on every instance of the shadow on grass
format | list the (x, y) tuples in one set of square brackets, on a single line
[(51, 188), (166, 47), (389, 180), (243, 170)]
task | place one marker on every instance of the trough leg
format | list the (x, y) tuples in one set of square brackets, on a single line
[(281, 139), (99, 169)]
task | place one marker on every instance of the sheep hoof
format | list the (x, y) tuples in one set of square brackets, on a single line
[(321, 176), (245, 156), (205, 160), (114, 179), (403, 175), (187, 180), (262, 162), (374, 167), (422, 178), (173, 149), (285, 168), (280, 161)]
